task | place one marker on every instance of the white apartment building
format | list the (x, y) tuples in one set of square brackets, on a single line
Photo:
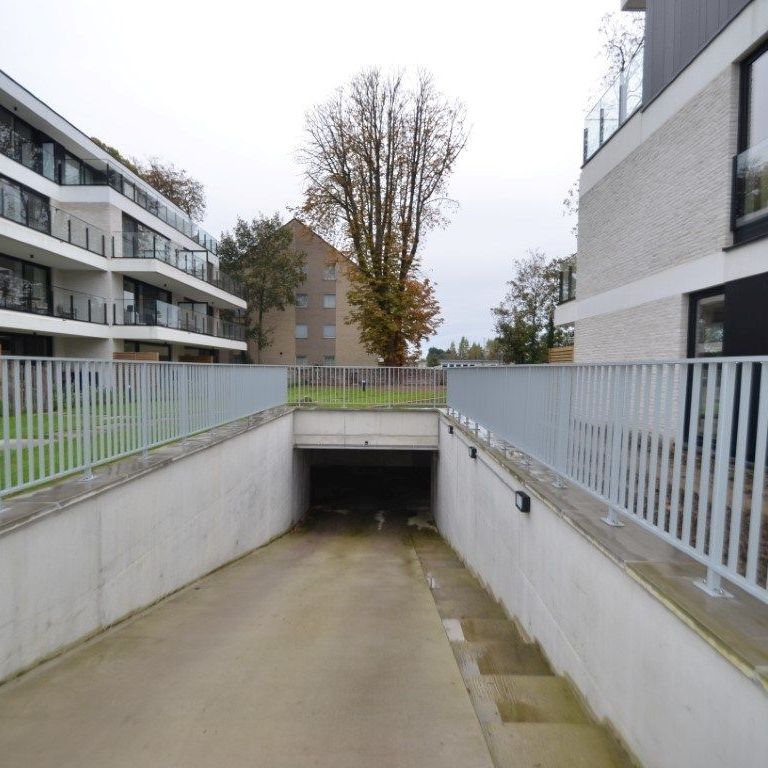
[(93, 261), (673, 212)]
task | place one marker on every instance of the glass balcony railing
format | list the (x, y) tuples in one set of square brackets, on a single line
[(751, 189), (154, 312), (148, 245), (37, 298), (567, 288), (41, 154), (149, 202), (615, 106), (32, 210)]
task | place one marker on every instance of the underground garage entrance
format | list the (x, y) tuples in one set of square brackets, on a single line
[(380, 485)]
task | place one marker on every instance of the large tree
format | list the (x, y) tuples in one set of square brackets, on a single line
[(261, 255), (377, 160), (525, 318)]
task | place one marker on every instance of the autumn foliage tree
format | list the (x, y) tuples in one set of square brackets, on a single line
[(377, 160), (174, 183)]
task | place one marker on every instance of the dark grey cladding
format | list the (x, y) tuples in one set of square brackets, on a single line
[(675, 33)]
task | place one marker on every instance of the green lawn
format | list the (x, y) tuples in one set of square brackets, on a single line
[(355, 397)]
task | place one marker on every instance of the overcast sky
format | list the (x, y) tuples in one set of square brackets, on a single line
[(220, 88)]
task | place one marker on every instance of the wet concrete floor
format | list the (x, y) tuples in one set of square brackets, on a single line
[(359, 639)]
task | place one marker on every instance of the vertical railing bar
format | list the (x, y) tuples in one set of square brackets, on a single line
[(690, 465), (652, 509), (758, 481), (51, 418), (706, 458), (721, 472), (737, 497)]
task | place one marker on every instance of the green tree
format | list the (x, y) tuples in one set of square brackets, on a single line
[(261, 255), (377, 160), (475, 352), (452, 353), (525, 318), (463, 348), (434, 356)]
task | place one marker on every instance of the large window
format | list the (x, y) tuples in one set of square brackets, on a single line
[(22, 205), (24, 287), (329, 331), (302, 300), (302, 331), (38, 152), (751, 188), (329, 301)]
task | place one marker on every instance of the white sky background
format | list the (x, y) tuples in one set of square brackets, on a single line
[(220, 88)]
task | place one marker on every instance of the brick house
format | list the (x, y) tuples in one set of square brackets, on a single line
[(314, 331)]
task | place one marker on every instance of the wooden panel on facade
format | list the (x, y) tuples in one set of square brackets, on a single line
[(561, 354)]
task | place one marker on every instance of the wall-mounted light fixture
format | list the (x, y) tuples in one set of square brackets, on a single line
[(450, 429), (522, 501), (472, 452)]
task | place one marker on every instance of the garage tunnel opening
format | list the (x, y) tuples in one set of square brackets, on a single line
[(375, 485)]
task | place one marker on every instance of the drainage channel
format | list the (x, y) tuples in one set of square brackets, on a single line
[(530, 716)]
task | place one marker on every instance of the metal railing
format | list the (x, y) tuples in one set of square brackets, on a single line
[(677, 446), (615, 106), (62, 416), (366, 387), (149, 245)]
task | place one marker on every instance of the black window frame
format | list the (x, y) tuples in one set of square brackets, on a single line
[(757, 229)]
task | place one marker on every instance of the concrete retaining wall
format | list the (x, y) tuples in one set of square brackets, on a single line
[(673, 699), (69, 574)]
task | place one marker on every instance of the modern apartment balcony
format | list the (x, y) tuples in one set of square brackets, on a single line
[(28, 306), (750, 193), (619, 102), (155, 320), (148, 256), (59, 238)]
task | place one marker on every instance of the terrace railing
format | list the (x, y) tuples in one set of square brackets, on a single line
[(677, 446), (63, 416), (619, 102), (366, 387)]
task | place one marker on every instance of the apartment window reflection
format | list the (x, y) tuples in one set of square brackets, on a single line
[(24, 287), (710, 319), (302, 331)]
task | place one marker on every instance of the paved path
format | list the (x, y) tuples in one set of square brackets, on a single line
[(323, 649)]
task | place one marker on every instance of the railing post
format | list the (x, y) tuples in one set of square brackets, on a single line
[(614, 508), (85, 394), (143, 404), (712, 583), (69, 230)]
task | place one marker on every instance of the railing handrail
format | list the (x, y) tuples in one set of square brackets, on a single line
[(60, 416), (680, 446)]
